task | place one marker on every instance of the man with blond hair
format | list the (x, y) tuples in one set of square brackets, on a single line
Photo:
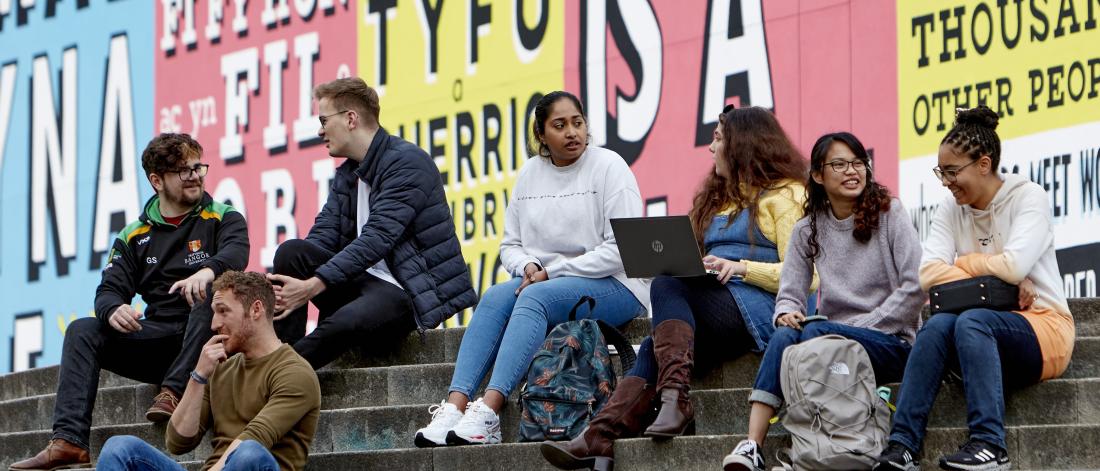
[(382, 257)]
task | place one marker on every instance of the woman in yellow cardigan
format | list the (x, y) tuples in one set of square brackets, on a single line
[(743, 216)]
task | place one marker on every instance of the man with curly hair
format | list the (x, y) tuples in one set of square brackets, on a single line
[(181, 242)]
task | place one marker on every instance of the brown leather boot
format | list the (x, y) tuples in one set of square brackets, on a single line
[(164, 404), (59, 454), (674, 347), (628, 410)]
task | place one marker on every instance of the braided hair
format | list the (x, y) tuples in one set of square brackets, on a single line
[(975, 134), (870, 204)]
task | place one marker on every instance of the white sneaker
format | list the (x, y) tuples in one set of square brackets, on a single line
[(744, 457), (444, 417), (479, 426)]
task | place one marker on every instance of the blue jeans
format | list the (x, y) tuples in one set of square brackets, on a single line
[(510, 328), (990, 349), (130, 453), (887, 353)]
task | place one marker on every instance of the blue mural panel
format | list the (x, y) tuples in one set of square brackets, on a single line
[(76, 109)]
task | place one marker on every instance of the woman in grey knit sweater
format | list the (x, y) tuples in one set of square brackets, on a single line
[(875, 301)]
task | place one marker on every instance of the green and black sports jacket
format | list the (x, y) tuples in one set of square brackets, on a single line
[(150, 255)]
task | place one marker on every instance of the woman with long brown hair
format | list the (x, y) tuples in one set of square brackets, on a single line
[(876, 301), (742, 217)]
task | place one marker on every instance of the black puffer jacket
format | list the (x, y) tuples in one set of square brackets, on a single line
[(410, 227)]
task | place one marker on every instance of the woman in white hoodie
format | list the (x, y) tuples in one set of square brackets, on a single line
[(998, 225)]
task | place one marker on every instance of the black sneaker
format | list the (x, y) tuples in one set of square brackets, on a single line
[(976, 455), (896, 457), (744, 457)]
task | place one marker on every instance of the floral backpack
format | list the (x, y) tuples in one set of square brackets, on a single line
[(570, 377)]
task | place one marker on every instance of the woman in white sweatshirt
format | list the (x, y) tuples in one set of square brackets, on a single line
[(558, 246), (996, 225)]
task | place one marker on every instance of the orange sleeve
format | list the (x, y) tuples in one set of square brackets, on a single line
[(936, 273)]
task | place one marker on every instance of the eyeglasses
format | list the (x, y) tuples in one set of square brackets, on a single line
[(324, 119), (189, 173), (841, 166), (950, 174), (728, 108)]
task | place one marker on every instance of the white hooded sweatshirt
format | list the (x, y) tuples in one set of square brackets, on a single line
[(1012, 239)]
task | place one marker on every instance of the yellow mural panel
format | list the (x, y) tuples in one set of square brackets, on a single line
[(1036, 63)]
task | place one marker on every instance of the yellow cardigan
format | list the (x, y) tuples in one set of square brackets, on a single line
[(779, 209)]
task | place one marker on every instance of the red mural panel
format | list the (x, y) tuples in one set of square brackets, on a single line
[(242, 85), (831, 66)]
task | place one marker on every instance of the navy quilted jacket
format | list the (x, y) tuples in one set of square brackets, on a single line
[(410, 227)]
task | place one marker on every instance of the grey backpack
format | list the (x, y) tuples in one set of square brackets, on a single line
[(834, 414)]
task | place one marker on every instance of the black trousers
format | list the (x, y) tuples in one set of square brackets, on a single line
[(163, 352), (365, 311)]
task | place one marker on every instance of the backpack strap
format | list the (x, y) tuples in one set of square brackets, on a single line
[(584, 299), (788, 464), (614, 336)]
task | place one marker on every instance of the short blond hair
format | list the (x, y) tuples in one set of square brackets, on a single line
[(350, 93)]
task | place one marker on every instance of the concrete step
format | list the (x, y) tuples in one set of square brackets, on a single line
[(1060, 401), (1030, 447), (428, 383), (38, 381), (438, 346), (718, 411), (441, 346), (359, 387)]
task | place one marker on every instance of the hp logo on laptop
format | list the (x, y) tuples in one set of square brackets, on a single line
[(657, 246)]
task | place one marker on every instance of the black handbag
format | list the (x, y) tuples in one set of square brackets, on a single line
[(987, 292)]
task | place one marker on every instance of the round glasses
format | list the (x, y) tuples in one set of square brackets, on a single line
[(950, 174)]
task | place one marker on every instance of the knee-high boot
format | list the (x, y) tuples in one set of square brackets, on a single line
[(629, 409), (674, 347)]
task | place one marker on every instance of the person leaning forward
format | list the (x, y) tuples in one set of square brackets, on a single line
[(259, 398), (382, 257), (170, 255)]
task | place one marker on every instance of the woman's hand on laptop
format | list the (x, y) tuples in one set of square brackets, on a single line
[(726, 268)]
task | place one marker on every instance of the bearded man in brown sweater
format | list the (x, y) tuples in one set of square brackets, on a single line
[(260, 398)]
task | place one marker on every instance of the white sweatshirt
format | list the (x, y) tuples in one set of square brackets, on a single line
[(560, 218), (1012, 239)]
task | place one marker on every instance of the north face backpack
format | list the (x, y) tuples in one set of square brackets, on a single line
[(570, 377), (835, 416)]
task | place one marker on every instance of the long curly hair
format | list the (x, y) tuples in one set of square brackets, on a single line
[(759, 157), (870, 204)]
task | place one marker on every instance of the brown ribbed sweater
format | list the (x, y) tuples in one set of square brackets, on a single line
[(274, 400)]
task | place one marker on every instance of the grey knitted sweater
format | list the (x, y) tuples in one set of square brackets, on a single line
[(871, 285)]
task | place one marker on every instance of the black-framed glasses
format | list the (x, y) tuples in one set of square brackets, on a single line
[(728, 108), (324, 119), (187, 173), (841, 166), (950, 174)]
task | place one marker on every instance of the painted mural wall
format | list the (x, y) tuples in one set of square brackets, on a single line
[(84, 84)]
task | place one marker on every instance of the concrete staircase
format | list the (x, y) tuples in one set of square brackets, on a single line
[(373, 404)]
